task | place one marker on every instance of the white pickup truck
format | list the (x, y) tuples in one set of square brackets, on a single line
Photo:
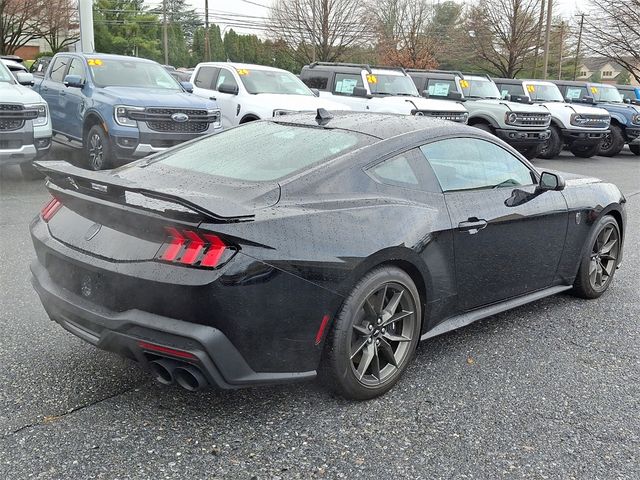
[(25, 125), (246, 92)]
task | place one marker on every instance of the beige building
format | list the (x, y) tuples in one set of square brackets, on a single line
[(608, 69)]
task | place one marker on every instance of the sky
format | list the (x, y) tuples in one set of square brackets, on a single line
[(217, 8)]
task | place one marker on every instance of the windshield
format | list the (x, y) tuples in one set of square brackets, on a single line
[(131, 73), (603, 93), (263, 151), (479, 88), (381, 84), (629, 95), (269, 81), (541, 92), (5, 74)]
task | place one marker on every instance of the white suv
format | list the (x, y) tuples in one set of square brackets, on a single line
[(378, 89), (247, 92)]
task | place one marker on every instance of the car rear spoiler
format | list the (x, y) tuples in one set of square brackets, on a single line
[(76, 184)]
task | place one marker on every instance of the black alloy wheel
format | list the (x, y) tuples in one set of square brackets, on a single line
[(374, 336), (98, 149), (612, 143), (601, 259)]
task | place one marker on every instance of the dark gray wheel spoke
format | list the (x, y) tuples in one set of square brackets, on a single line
[(361, 329), (386, 352), (359, 347), (375, 365), (369, 308), (395, 338), (606, 248), (395, 318), (383, 298), (392, 306), (367, 356)]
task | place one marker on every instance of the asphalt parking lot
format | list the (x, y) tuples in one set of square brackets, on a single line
[(549, 390)]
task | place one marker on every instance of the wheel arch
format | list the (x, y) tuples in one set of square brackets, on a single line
[(249, 117), (91, 119), (478, 119)]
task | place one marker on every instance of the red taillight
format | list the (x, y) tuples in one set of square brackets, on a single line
[(166, 350), (50, 209), (188, 247)]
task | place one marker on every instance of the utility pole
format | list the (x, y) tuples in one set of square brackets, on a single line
[(547, 38), (561, 50), (207, 47), (575, 67), (165, 34), (85, 14), (540, 22), (313, 31)]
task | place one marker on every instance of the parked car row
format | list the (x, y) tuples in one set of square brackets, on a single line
[(116, 108)]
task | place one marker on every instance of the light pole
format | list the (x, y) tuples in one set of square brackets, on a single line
[(575, 67), (85, 13), (546, 39), (165, 34)]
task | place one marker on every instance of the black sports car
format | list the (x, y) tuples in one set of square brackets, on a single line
[(313, 244)]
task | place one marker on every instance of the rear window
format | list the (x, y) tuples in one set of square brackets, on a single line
[(263, 151)]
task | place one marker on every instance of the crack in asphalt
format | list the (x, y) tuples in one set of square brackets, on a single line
[(73, 410)]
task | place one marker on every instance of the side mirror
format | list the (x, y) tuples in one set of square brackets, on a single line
[(551, 181), (24, 78), (361, 92), (188, 86), (568, 100), (227, 88), (520, 99), (74, 81), (627, 100), (425, 93), (589, 100), (315, 91), (453, 95)]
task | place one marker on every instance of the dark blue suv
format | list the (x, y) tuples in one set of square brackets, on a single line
[(625, 118), (121, 108)]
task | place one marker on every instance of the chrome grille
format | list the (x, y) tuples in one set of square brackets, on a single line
[(460, 117), (594, 121), (533, 119), (12, 116)]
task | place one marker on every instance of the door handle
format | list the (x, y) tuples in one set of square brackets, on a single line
[(473, 225)]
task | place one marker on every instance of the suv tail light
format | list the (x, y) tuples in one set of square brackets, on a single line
[(50, 209), (195, 249)]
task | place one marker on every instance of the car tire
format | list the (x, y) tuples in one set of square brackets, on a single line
[(635, 149), (30, 172), (553, 146), (364, 344), (612, 143), (97, 149), (585, 151), (600, 258)]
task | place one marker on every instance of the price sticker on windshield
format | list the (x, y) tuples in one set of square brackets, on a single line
[(594, 89), (94, 62), (242, 71), (464, 83), (531, 88), (372, 78)]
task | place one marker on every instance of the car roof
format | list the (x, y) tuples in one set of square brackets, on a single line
[(240, 66), (630, 88), (13, 65), (380, 125), (110, 56), (352, 68)]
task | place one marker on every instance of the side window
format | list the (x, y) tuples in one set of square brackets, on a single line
[(58, 69), (511, 90), (470, 163), (576, 93), (225, 77), (205, 77), (315, 79), (396, 171), (440, 88), (346, 82), (77, 68)]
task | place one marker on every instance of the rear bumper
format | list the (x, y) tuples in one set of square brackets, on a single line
[(120, 332), (522, 138), (582, 137)]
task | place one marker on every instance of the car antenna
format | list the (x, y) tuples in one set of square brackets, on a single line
[(323, 116)]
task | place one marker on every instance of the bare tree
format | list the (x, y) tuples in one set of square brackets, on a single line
[(58, 24), (614, 32), (18, 19), (320, 29), (504, 33), (402, 26)]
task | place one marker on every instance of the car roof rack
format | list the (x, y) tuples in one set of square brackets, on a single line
[(364, 66), (427, 70)]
